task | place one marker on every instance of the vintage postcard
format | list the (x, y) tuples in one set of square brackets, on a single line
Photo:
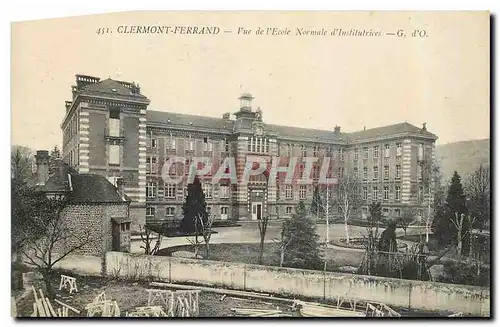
[(251, 164)]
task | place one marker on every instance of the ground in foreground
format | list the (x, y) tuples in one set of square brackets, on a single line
[(130, 295)]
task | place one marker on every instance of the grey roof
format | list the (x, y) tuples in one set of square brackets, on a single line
[(112, 88), (83, 188), (289, 131), (92, 188), (185, 120), (401, 128), (165, 119)]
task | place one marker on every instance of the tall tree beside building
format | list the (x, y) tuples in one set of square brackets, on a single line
[(455, 204), (21, 163), (303, 251), (194, 208), (55, 153), (317, 203), (348, 199), (477, 188)]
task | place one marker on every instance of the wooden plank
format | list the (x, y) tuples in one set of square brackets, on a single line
[(224, 291), (52, 311), (13, 307), (67, 306)]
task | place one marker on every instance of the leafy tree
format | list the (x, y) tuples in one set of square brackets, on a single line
[(387, 241), (455, 205), (55, 153), (303, 251), (477, 188), (194, 208), (375, 217), (317, 203)]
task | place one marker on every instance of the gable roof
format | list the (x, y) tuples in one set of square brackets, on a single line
[(112, 88), (92, 188), (80, 188)]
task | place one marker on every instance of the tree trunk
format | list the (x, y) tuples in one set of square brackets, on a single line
[(327, 216), (261, 252), (459, 243), (346, 230), (46, 274), (282, 256), (207, 250), (427, 222)]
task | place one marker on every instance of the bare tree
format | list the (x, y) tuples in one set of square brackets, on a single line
[(283, 241), (347, 199), (430, 175), (262, 223), (196, 243), (477, 189), (458, 222), (147, 238), (21, 161), (471, 221), (206, 231), (57, 240), (407, 217)]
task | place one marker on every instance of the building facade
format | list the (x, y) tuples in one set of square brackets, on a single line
[(109, 130)]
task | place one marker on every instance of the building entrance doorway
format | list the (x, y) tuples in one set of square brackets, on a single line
[(256, 210)]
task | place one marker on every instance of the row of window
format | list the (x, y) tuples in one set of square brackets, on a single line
[(71, 128), (397, 192), (170, 190), (171, 143), (375, 172), (73, 157), (170, 211)]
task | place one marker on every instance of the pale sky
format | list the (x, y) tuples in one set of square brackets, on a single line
[(305, 81)]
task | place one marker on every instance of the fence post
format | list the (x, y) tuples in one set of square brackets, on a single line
[(324, 282), (170, 269), (244, 277), (409, 295)]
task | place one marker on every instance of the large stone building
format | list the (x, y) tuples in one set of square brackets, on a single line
[(109, 130)]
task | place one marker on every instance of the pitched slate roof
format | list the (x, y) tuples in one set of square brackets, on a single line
[(299, 132), (112, 88), (401, 128), (185, 120), (165, 119), (92, 188), (80, 188)]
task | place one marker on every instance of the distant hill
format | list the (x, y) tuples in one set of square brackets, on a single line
[(464, 157)]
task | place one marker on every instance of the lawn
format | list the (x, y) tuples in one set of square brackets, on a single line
[(249, 253)]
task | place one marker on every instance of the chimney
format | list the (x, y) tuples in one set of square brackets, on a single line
[(336, 129), (424, 127), (119, 187), (226, 116), (84, 80), (42, 166)]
